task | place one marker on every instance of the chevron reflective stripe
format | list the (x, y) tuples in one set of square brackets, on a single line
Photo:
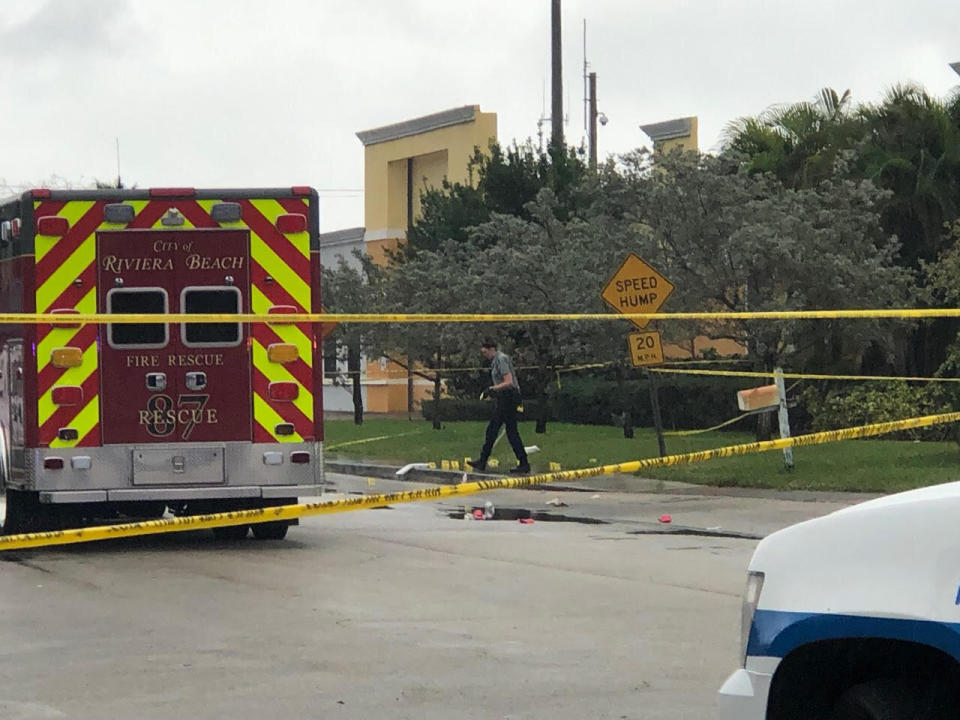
[(279, 275), (66, 279)]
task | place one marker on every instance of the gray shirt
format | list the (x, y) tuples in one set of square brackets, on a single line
[(500, 365)]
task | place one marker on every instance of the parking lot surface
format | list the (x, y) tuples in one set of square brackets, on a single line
[(594, 610)]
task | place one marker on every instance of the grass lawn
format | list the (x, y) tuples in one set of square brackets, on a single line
[(857, 465)]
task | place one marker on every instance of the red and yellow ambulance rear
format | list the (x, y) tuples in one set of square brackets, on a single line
[(142, 418)]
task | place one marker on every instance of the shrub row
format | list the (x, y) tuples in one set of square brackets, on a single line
[(688, 403)]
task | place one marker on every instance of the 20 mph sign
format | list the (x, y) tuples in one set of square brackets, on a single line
[(636, 288)]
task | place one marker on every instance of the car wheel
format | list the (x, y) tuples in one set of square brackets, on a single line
[(889, 700), (231, 532), (271, 530)]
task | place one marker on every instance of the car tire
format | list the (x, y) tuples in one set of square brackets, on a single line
[(231, 532), (271, 530), (896, 699), (25, 514)]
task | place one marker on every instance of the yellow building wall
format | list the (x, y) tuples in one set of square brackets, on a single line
[(687, 142), (425, 160), (385, 171)]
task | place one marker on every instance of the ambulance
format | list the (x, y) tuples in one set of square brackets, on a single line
[(854, 616), (134, 420)]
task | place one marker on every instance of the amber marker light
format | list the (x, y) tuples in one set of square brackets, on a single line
[(66, 357), (282, 353)]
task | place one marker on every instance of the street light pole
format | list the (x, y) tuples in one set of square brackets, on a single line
[(556, 115), (593, 121)]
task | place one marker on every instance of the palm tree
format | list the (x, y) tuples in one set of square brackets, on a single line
[(798, 142)]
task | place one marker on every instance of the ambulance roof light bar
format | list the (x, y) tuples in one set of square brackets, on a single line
[(172, 192)]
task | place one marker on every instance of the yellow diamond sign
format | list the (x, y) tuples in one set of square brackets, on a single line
[(636, 288)]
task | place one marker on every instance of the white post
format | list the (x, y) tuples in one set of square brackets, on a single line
[(784, 419)]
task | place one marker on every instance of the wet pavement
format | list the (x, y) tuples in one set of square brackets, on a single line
[(597, 611)]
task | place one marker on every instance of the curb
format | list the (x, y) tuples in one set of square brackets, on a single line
[(436, 477), (607, 483)]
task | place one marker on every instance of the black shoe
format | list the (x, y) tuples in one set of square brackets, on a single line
[(521, 470), (478, 465)]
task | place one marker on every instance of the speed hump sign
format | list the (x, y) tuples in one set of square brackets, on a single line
[(645, 348)]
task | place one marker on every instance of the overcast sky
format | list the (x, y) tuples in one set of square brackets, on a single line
[(229, 93)]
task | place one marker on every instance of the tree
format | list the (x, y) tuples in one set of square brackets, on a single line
[(507, 180), (732, 240), (800, 143), (352, 288)]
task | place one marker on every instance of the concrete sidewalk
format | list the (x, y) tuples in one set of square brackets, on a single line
[(603, 483)]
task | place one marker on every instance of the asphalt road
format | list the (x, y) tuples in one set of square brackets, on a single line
[(395, 613)]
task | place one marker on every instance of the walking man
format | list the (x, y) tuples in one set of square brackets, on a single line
[(505, 393)]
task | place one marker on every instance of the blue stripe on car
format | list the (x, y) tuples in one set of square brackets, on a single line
[(776, 634)]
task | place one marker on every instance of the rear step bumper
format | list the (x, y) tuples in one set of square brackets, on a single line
[(174, 472), (88, 496)]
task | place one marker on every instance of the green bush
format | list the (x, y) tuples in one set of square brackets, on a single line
[(455, 409), (685, 402), (867, 403)]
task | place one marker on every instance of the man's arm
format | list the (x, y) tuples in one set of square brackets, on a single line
[(507, 382)]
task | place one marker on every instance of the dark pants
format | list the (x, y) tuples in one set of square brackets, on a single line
[(505, 404)]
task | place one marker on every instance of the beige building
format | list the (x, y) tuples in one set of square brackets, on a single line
[(677, 134), (400, 162)]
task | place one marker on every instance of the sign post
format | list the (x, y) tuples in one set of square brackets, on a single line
[(636, 287), (783, 417), (655, 406)]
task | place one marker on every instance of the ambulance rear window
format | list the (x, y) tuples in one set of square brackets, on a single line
[(214, 300), (142, 301)]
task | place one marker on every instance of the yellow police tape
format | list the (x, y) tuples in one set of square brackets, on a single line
[(329, 318), (731, 421), (290, 512), (800, 376)]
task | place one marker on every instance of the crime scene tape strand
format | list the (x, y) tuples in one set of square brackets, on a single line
[(799, 376), (329, 318), (290, 512)]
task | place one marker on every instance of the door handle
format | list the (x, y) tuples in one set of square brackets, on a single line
[(196, 380), (156, 382)]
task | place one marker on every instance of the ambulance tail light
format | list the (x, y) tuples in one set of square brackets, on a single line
[(301, 190), (67, 434), (67, 395), (283, 391), (65, 311), (53, 463), (281, 310), (292, 223), (283, 429), (40, 193), (53, 226), (300, 457)]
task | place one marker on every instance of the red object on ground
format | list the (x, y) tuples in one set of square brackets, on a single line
[(478, 514), (666, 519), (526, 521)]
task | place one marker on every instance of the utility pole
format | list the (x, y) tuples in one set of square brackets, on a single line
[(592, 131), (556, 115)]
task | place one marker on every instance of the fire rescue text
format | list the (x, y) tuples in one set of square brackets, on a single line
[(179, 360)]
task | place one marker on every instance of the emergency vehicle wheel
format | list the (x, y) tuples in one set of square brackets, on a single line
[(271, 530), (24, 513), (231, 532), (889, 700)]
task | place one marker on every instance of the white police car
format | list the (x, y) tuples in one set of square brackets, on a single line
[(855, 616)]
